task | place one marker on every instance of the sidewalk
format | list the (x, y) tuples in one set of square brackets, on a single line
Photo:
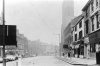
[(78, 61)]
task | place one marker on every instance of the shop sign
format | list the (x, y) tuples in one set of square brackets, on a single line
[(86, 40), (97, 47), (77, 46)]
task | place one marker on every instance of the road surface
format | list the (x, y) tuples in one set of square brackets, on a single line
[(43, 61), (39, 61)]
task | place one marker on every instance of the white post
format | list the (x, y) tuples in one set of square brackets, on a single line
[(19, 61)]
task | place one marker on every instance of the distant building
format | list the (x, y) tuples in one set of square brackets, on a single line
[(22, 45), (68, 38), (67, 15)]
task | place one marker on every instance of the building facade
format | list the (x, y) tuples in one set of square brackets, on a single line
[(67, 40), (86, 14), (78, 36), (22, 45), (67, 15), (92, 26), (76, 26), (85, 31)]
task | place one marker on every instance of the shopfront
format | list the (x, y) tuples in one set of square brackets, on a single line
[(79, 48), (76, 50), (94, 40), (86, 47)]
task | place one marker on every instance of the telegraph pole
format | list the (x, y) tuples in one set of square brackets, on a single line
[(3, 17)]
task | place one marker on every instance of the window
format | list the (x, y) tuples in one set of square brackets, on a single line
[(92, 8), (97, 21), (80, 24), (92, 48), (80, 34), (72, 39), (87, 30), (92, 19), (75, 37), (76, 28), (86, 12), (81, 50), (96, 3)]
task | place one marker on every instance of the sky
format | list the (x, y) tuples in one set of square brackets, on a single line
[(38, 19)]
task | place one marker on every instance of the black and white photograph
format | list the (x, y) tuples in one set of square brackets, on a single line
[(49, 32)]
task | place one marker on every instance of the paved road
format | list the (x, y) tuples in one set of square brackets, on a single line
[(43, 61), (39, 61)]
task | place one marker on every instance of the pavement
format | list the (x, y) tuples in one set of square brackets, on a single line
[(13, 63), (79, 61)]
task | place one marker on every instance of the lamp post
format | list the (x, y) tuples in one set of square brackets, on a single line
[(3, 18)]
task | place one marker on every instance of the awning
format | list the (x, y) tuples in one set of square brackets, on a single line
[(65, 46), (97, 40), (94, 37), (80, 42), (74, 43), (94, 40)]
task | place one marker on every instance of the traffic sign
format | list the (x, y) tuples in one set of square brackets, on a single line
[(10, 35)]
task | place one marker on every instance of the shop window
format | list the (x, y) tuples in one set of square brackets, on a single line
[(93, 48), (75, 51), (82, 50)]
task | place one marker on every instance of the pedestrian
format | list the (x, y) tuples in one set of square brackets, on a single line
[(68, 54), (63, 54)]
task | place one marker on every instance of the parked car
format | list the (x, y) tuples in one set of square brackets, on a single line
[(10, 57), (1, 59)]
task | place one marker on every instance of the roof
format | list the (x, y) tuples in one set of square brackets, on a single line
[(76, 20), (87, 4)]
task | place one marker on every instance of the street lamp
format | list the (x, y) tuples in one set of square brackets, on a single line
[(3, 18)]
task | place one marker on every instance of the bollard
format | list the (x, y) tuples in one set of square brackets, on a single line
[(17, 63)]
